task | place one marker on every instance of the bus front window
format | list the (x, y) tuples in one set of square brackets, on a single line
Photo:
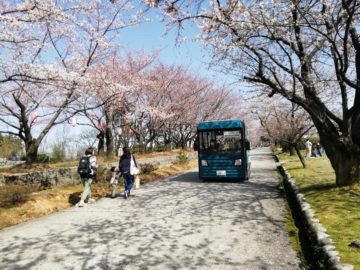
[(220, 140)]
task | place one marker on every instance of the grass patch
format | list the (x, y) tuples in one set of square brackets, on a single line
[(31, 204), (37, 204), (14, 194), (337, 208), (292, 232), (167, 171)]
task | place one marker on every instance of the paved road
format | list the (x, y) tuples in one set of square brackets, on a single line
[(180, 223)]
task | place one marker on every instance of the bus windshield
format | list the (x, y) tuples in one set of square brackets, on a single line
[(220, 140)]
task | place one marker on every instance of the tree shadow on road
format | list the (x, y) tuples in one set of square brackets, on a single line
[(171, 224)]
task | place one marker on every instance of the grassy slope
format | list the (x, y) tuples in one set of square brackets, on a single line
[(336, 208)]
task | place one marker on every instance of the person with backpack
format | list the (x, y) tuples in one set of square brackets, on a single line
[(128, 169), (87, 171)]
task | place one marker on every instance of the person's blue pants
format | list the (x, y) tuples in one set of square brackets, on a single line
[(128, 181)]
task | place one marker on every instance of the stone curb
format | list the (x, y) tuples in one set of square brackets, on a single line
[(319, 240), (69, 176)]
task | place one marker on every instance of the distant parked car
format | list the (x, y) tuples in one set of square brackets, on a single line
[(3, 161), (14, 158)]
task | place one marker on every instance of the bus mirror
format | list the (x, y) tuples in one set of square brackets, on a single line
[(247, 145), (196, 144)]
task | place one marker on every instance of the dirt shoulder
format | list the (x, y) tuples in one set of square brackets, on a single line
[(45, 202)]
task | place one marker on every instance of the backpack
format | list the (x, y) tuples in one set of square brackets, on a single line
[(84, 168)]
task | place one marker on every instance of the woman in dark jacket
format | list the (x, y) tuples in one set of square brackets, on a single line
[(126, 170)]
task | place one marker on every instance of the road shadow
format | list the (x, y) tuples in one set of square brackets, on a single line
[(178, 223)]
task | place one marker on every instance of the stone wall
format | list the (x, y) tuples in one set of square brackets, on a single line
[(69, 176), (43, 179)]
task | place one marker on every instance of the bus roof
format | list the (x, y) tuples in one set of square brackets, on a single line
[(221, 124)]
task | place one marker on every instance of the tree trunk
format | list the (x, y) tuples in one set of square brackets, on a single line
[(344, 156), (141, 144), (101, 143), (167, 146), (342, 151), (183, 144), (301, 158), (292, 152), (109, 142), (347, 166), (32, 148), (109, 138), (167, 141)]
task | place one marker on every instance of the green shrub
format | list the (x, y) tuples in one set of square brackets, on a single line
[(58, 153), (147, 168), (274, 148), (12, 194), (138, 149), (43, 158), (182, 158), (10, 146), (160, 148)]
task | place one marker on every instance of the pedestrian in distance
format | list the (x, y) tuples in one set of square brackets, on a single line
[(308, 145), (318, 150), (313, 152), (87, 170), (128, 169)]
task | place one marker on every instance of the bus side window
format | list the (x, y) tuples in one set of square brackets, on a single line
[(196, 143), (212, 144)]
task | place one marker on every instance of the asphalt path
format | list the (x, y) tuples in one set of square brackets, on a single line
[(178, 223)]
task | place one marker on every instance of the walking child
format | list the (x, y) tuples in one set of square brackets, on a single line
[(114, 180)]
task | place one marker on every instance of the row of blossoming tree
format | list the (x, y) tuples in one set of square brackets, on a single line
[(308, 52), (143, 102), (60, 61)]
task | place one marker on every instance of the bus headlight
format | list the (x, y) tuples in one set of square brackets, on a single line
[(204, 162), (237, 162)]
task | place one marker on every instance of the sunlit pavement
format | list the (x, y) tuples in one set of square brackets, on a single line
[(179, 223)]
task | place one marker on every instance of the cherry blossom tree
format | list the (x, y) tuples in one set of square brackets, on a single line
[(163, 106), (161, 98), (46, 50), (285, 124), (174, 100), (116, 85), (208, 102), (306, 51)]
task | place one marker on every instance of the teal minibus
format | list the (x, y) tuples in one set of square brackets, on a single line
[(223, 150)]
